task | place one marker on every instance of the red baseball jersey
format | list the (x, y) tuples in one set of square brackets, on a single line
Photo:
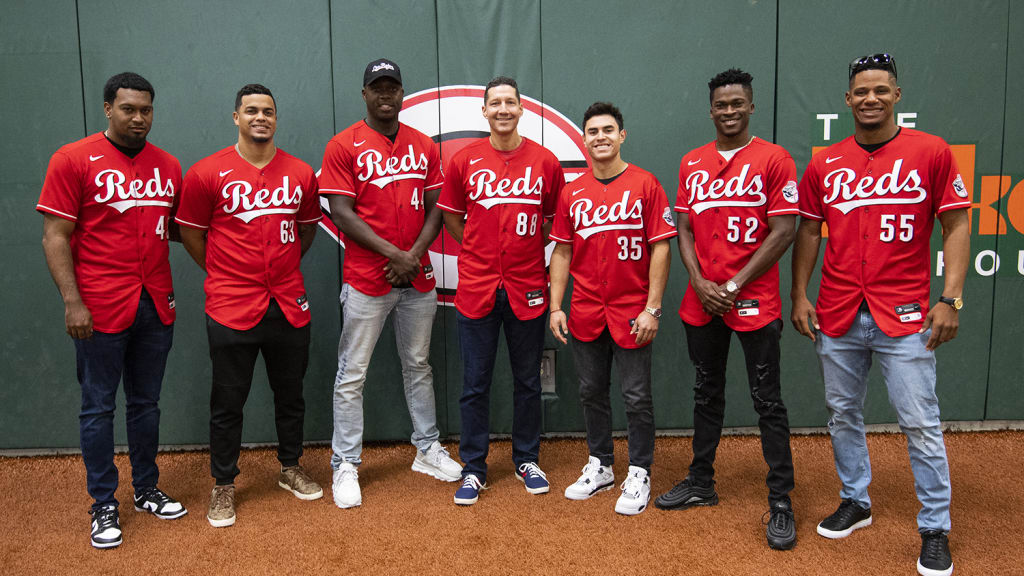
[(122, 208), (880, 209), (252, 245), (610, 227), (505, 196), (388, 181), (728, 204)]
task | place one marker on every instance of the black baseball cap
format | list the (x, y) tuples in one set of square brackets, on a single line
[(380, 68)]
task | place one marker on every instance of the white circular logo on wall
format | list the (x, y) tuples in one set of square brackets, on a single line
[(451, 116)]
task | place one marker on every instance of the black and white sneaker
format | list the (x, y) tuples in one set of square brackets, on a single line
[(847, 518), (595, 478), (106, 529), (154, 501), (687, 494), (935, 559), (781, 530)]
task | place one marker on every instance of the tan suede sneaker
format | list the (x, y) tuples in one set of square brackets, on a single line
[(222, 506), (295, 480)]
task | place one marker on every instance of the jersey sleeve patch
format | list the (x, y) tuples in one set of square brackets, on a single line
[(789, 192), (668, 217)]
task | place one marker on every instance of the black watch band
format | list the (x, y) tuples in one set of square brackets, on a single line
[(955, 303)]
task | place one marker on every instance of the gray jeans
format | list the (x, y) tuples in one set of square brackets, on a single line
[(593, 361), (364, 316)]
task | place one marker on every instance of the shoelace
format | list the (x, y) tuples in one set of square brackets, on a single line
[(589, 472), (847, 510), (440, 454), (632, 485), (352, 473), (777, 518), (105, 518), (531, 468), (932, 546), (221, 498), (471, 481), (155, 495), (300, 475)]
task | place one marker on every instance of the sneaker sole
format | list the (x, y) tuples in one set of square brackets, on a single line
[(221, 523), (836, 534), (929, 572), (466, 501), (541, 490), (179, 514), (314, 496), (429, 470), (713, 501), (578, 497), (345, 506), (104, 545), (782, 545)]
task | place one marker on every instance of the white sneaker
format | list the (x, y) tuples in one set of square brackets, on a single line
[(437, 463), (595, 478), (345, 485), (636, 491)]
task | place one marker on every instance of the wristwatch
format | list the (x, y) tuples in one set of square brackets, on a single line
[(731, 287), (656, 312), (957, 303)]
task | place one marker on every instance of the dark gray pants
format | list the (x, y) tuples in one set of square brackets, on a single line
[(593, 361)]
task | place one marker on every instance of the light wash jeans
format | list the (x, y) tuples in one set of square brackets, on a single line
[(909, 371), (362, 322)]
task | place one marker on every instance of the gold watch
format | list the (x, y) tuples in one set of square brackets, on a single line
[(957, 303)]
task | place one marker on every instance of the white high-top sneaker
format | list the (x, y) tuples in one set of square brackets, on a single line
[(636, 491)]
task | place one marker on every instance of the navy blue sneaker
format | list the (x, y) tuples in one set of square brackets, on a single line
[(534, 478), (469, 490)]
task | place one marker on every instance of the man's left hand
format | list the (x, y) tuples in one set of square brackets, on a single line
[(645, 327), (944, 322)]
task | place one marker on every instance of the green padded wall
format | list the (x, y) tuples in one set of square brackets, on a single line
[(959, 65)]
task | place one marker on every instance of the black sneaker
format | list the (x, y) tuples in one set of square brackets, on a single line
[(687, 494), (935, 559), (161, 505), (847, 518), (781, 531), (106, 529)]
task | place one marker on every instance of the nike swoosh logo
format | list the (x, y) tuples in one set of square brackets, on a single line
[(692, 162), (358, 144), (575, 192), (831, 160), (474, 161), (94, 158), (226, 172)]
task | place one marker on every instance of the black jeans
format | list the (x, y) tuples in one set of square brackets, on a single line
[(233, 352), (593, 361), (709, 349)]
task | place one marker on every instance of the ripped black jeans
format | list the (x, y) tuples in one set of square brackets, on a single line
[(708, 346)]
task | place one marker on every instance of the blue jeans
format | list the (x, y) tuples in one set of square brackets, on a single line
[(137, 355), (478, 340), (363, 321), (909, 371)]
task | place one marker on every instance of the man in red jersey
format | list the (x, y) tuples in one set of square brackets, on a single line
[(499, 195), (248, 214), (612, 227), (382, 179), (738, 200), (107, 205), (879, 191)]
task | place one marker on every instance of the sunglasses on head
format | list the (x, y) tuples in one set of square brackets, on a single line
[(873, 62)]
